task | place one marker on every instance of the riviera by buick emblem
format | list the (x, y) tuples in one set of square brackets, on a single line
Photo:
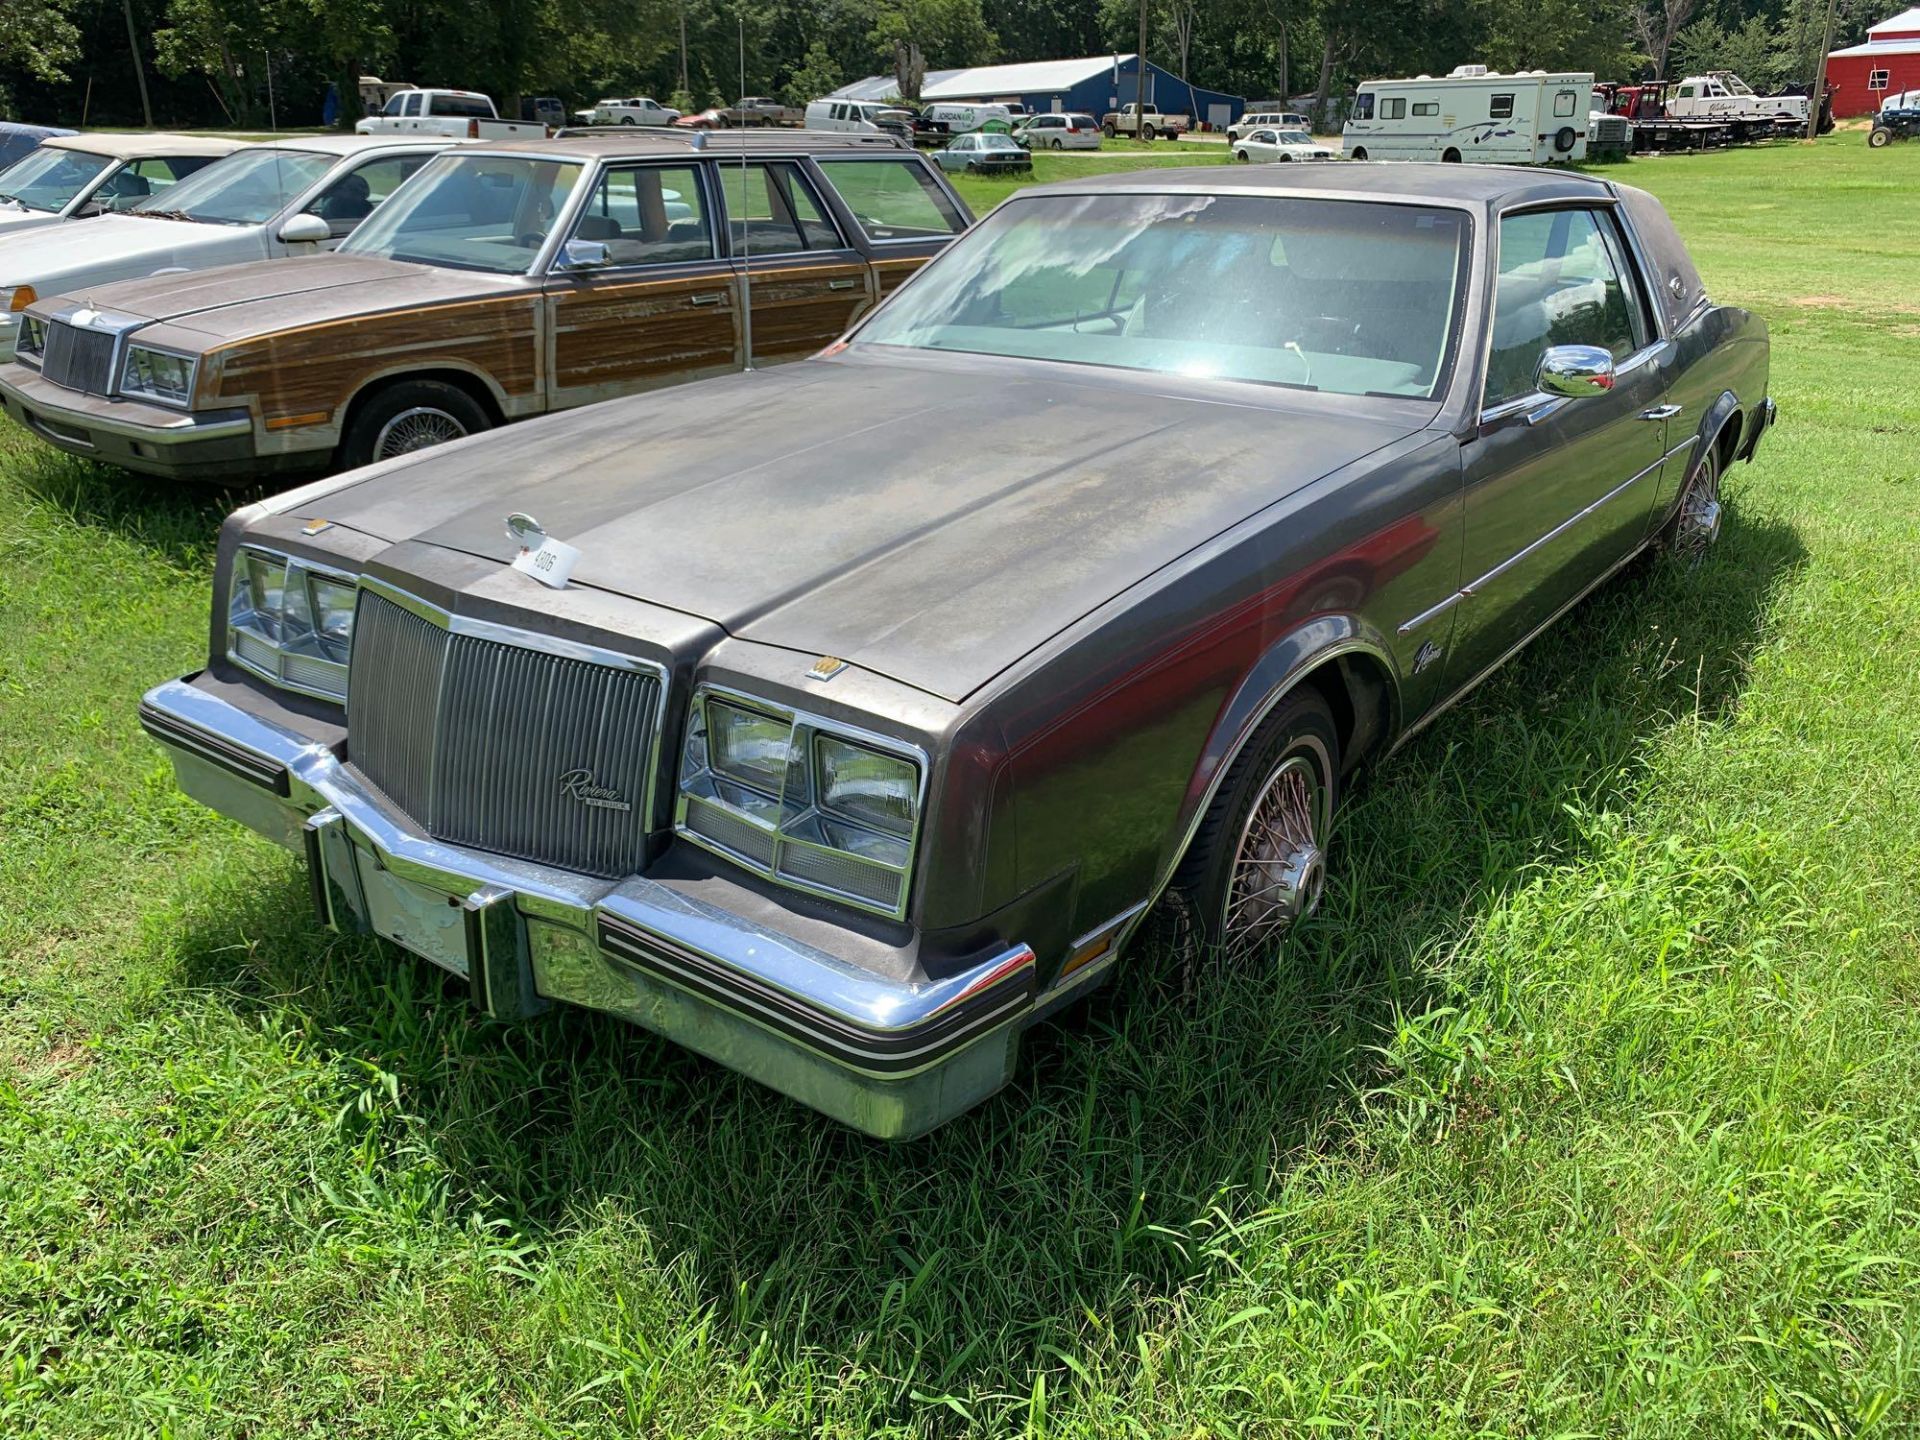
[(579, 785)]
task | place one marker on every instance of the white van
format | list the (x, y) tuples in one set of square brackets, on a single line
[(963, 118), (860, 116), (1529, 118)]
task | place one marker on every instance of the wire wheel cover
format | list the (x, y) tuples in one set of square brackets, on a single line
[(416, 429), (1279, 866), (1698, 526)]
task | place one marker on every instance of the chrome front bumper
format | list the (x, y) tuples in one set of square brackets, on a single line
[(890, 1058)]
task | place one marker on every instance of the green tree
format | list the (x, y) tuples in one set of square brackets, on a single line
[(38, 37), (814, 76), (951, 34)]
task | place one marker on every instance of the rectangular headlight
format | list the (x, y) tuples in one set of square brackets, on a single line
[(805, 801), (157, 375), (290, 622), (32, 339)]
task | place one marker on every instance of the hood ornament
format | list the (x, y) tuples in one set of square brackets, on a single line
[(547, 560)]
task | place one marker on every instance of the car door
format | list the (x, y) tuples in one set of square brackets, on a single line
[(657, 305), (355, 195), (808, 281), (899, 204), (1557, 489)]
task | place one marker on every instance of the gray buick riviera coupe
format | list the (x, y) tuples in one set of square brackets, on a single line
[(879, 697)]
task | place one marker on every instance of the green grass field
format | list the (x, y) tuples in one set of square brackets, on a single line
[(1589, 1106)]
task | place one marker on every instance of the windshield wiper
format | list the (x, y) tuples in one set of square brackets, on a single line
[(160, 214)]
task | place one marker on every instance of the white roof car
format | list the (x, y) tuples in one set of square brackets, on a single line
[(1278, 145), (70, 176), (1266, 120), (287, 197)]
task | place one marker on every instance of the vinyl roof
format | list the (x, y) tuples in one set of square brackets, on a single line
[(138, 146)]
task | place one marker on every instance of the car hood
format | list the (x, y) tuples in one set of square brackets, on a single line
[(238, 302), (15, 222), (930, 522), (110, 247)]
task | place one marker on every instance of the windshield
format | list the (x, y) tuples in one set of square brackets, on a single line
[(1295, 137), (48, 179), (471, 212), (1349, 297), (248, 187)]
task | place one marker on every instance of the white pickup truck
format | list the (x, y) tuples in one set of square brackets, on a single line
[(458, 114), (1128, 120), (634, 110)]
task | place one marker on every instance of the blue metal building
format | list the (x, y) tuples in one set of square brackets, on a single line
[(1095, 84)]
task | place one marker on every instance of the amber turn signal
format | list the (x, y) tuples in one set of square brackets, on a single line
[(23, 296)]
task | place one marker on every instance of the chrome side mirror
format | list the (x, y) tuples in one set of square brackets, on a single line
[(585, 255), (306, 228), (1575, 371)]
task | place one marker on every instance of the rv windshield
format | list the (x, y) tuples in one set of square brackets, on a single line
[(1347, 297)]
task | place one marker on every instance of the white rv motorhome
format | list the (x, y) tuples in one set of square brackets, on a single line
[(1529, 118)]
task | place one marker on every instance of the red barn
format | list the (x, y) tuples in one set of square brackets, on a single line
[(1861, 76)]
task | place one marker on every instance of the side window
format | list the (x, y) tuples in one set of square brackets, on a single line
[(894, 199), (395, 104), (1563, 104), (1559, 284), (351, 198), (1876, 79), (648, 215), (771, 210), (1427, 107), (410, 103), (1500, 107), (1393, 107), (1363, 107)]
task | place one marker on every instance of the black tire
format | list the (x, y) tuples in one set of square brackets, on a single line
[(1300, 731), (1056, 144), (1879, 137), (1284, 158), (1110, 130), (1360, 153), (626, 120), (1450, 157), (1243, 157), (1148, 133), (373, 434), (972, 168), (1565, 138)]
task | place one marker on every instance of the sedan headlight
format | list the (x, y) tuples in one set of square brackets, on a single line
[(32, 339), (157, 375), (290, 621), (808, 802)]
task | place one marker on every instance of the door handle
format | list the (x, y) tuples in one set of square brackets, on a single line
[(841, 284), (710, 298), (1662, 412)]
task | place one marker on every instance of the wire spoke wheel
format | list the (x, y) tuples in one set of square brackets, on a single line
[(1279, 864), (1696, 528), (416, 429)]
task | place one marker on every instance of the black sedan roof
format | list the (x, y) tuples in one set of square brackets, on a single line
[(1493, 186)]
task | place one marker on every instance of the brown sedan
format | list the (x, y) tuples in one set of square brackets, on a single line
[(501, 282)]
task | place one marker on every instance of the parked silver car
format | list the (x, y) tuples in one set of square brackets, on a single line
[(984, 154)]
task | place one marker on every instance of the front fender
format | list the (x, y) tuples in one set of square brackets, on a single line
[(1280, 668)]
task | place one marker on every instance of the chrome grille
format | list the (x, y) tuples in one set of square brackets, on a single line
[(78, 359), (524, 752)]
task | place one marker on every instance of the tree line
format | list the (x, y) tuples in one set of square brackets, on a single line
[(256, 63)]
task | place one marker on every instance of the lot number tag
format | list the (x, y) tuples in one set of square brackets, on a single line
[(546, 559)]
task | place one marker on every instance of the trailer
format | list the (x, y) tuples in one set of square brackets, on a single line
[(1654, 129), (1473, 113)]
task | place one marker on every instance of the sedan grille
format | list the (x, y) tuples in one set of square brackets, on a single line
[(541, 756), (78, 359)]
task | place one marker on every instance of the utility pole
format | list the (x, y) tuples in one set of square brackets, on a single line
[(683, 49), (1820, 77), (140, 71), (1140, 79)]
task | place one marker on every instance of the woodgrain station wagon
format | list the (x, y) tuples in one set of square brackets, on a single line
[(501, 282), (848, 746)]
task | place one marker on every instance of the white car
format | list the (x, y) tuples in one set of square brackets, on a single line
[(1069, 131), (288, 197), (71, 176), (637, 110), (1271, 145)]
